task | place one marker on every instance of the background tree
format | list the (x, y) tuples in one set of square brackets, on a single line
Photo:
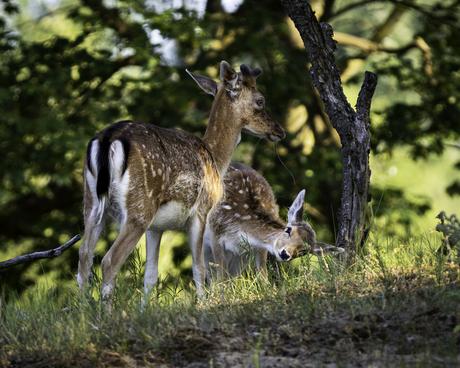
[(352, 126), (68, 71)]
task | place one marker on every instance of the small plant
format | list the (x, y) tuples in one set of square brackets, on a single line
[(450, 228)]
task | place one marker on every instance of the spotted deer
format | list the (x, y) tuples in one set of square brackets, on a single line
[(150, 179), (248, 213)]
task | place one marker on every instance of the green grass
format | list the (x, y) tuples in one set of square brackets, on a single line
[(397, 306)]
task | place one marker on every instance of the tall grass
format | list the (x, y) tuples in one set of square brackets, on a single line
[(309, 304)]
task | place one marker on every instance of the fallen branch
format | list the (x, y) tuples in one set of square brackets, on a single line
[(40, 255)]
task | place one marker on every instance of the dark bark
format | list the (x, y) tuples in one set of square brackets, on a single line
[(353, 127), (40, 255)]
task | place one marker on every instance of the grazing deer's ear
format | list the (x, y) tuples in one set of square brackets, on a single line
[(228, 76), (295, 213), (207, 84)]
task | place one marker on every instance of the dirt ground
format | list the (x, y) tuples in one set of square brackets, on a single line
[(424, 340), (364, 341)]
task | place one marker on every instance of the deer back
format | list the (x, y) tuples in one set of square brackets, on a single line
[(152, 166)]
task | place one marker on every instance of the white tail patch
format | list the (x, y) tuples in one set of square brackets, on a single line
[(117, 159), (97, 212), (100, 210), (94, 152)]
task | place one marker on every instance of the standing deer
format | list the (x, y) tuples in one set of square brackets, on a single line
[(248, 213), (151, 179)]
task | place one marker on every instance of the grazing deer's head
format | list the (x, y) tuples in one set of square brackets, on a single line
[(298, 238), (297, 235)]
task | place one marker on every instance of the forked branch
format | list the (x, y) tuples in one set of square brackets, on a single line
[(56, 252)]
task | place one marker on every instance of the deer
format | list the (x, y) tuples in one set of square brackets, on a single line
[(248, 214), (151, 179)]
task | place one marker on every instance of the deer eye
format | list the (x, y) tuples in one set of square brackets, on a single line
[(288, 230), (260, 102)]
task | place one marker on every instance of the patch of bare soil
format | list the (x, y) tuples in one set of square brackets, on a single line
[(362, 341), (376, 340)]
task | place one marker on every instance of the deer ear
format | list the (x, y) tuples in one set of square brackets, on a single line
[(250, 75), (228, 76), (207, 84), (295, 213)]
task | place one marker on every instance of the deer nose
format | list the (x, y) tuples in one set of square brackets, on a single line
[(284, 255), (278, 134)]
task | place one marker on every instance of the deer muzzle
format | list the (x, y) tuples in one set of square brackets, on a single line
[(277, 134), (284, 255)]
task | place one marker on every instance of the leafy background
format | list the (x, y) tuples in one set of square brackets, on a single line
[(69, 68)]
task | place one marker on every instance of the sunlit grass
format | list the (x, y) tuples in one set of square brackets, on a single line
[(393, 282)]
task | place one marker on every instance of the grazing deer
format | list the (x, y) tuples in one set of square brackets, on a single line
[(151, 179), (248, 213)]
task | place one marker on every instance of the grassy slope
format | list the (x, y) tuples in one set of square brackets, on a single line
[(399, 307)]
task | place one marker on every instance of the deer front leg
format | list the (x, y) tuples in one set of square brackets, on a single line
[(219, 259), (196, 235), (152, 250), (129, 236), (260, 256)]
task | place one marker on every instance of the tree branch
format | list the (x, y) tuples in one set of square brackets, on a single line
[(363, 105), (408, 4), (40, 255), (368, 46)]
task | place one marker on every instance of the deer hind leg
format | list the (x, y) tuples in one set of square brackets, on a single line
[(152, 248), (130, 234), (94, 224), (196, 235)]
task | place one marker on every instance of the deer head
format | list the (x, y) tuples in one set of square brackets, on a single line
[(297, 235), (298, 238), (241, 87)]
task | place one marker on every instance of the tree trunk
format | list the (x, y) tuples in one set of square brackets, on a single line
[(353, 127)]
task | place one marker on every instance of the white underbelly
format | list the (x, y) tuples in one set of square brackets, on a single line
[(235, 243), (171, 216)]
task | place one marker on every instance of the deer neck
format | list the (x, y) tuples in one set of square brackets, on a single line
[(266, 236), (224, 130)]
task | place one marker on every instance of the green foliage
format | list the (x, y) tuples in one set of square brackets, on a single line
[(450, 229), (397, 210)]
